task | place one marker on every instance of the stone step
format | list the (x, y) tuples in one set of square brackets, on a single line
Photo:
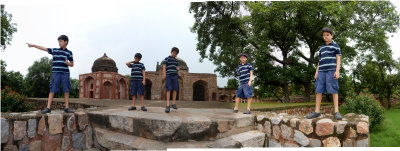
[(177, 126), (119, 141)]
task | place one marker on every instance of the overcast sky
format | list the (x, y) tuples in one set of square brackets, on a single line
[(118, 29)]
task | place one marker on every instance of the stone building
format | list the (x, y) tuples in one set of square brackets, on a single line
[(104, 82), (192, 86)]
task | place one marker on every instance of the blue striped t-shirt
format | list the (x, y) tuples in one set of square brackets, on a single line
[(137, 71), (171, 64), (327, 56), (244, 72), (59, 56)]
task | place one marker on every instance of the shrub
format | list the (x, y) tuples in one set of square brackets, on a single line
[(12, 101), (364, 103)]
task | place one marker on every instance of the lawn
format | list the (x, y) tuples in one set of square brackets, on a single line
[(388, 133)]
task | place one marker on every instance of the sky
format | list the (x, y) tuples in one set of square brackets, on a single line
[(120, 29)]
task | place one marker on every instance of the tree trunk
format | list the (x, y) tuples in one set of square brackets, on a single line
[(286, 92), (307, 92), (389, 91)]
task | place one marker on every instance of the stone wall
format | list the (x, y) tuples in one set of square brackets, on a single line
[(303, 110), (55, 131), (283, 130), (40, 104)]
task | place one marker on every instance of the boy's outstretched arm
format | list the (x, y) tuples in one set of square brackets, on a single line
[(337, 75), (163, 69), (37, 46)]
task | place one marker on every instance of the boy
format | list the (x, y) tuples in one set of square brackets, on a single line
[(62, 59), (138, 80), (327, 73), (170, 74), (245, 90)]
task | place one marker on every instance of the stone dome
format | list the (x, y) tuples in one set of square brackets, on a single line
[(182, 64), (104, 64)]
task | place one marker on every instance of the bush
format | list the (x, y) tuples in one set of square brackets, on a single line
[(12, 101), (364, 103)]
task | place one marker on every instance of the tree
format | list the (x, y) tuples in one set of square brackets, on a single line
[(7, 28), (232, 84), (14, 80), (272, 33), (38, 78)]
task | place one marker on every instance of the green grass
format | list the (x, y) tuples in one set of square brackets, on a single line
[(388, 133), (257, 106)]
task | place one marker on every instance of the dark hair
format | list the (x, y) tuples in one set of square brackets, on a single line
[(243, 54), (327, 29), (63, 37), (138, 55), (175, 49)]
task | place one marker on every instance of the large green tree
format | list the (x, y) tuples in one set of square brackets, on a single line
[(38, 78), (7, 28), (14, 80), (273, 33)]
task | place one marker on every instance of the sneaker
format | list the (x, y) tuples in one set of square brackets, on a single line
[(338, 116), (167, 109), (247, 112), (313, 115), (46, 110), (235, 111), (132, 108), (68, 110), (143, 108), (174, 106)]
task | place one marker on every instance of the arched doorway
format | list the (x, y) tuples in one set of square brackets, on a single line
[(107, 88), (200, 91), (122, 86), (89, 87), (223, 98), (147, 91)]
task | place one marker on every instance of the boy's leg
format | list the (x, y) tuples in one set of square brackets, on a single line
[(168, 95), (237, 99), (133, 100), (318, 99), (335, 101), (248, 103), (173, 96), (142, 100), (66, 98), (50, 99)]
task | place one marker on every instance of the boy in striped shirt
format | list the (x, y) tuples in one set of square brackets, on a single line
[(62, 59), (138, 80), (327, 73), (170, 74)]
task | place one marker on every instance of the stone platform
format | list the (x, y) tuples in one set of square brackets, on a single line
[(177, 126)]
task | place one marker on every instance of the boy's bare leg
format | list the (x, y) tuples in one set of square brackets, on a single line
[(142, 100), (335, 101), (237, 99), (248, 103), (51, 96), (318, 99), (173, 96), (133, 100), (168, 94), (66, 98)]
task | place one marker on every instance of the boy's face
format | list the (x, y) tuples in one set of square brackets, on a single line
[(327, 36), (174, 54), (243, 59), (137, 59), (62, 43)]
